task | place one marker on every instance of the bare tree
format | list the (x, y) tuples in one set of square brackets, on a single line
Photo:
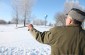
[(71, 4), (26, 9), (22, 9), (15, 6), (60, 19)]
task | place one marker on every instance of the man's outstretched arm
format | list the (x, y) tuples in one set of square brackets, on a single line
[(42, 37)]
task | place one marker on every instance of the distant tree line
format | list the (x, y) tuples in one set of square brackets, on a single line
[(6, 22), (3, 22)]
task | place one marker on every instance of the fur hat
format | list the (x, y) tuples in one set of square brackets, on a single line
[(77, 14)]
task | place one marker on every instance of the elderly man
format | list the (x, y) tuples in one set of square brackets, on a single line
[(64, 40)]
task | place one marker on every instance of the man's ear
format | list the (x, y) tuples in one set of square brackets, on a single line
[(71, 21)]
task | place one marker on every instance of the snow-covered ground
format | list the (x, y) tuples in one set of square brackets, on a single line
[(19, 41)]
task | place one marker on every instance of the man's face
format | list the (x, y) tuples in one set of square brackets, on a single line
[(68, 20)]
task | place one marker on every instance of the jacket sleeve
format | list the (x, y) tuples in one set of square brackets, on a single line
[(42, 37)]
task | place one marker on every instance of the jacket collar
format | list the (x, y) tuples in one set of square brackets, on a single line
[(73, 25)]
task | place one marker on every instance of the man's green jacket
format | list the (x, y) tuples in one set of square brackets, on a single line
[(66, 40)]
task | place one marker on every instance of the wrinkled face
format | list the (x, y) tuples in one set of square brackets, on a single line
[(68, 20)]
